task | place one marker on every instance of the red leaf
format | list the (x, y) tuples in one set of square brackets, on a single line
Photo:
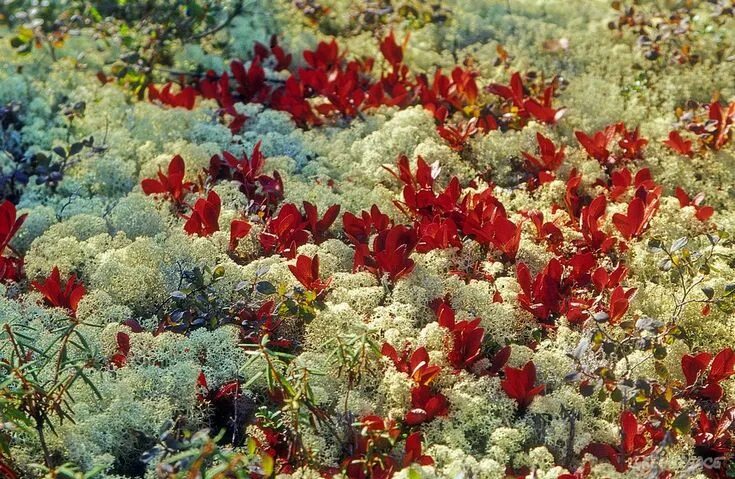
[(519, 384), (55, 296), (238, 230), (679, 144)]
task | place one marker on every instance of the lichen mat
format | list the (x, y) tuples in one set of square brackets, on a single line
[(462, 239)]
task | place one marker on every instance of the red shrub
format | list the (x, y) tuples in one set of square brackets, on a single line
[(703, 373), (426, 405), (61, 295), (389, 255), (262, 189), (467, 337), (10, 223), (120, 358), (634, 443), (172, 184), (204, 219), (285, 232), (679, 144), (316, 226), (415, 364), (306, 271), (702, 212), (519, 384), (185, 98), (238, 230)]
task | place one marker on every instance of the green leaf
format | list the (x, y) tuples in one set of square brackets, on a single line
[(682, 424), (218, 272)]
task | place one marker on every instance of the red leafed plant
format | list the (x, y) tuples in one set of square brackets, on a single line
[(415, 364), (274, 52), (702, 212), (10, 223), (120, 358), (316, 226), (204, 219), (619, 303), (634, 443), (61, 295), (467, 337), (549, 158), (171, 184), (426, 405), (251, 81), (285, 232), (306, 271), (519, 384), (526, 106), (392, 51), (389, 255), (489, 226), (238, 230), (679, 144), (184, 98), (590, 219), (714, 441), (704, 373), (457, 136), (359, 229), (413, 453), (372, 444), (437, 234), (599, 147), (262, 189), (715, 130), (639, 213), (542, 296)]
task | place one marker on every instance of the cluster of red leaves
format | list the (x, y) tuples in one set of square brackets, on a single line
[(714, 128), (600, 145), (184, 98), (204, 218), (261, 322), (548, 160), (10, 266), (714, 440), (171, 185), (703, 374), (712, 434), (426, 404), (60, 295), (445, 218), (263, 190), (290, 228), (306, 271), (329, 85), (576, 287), (702, 212), (467, 336), (372, 449), (712, 125), (637, 442), (520, 384), (519, 101)]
